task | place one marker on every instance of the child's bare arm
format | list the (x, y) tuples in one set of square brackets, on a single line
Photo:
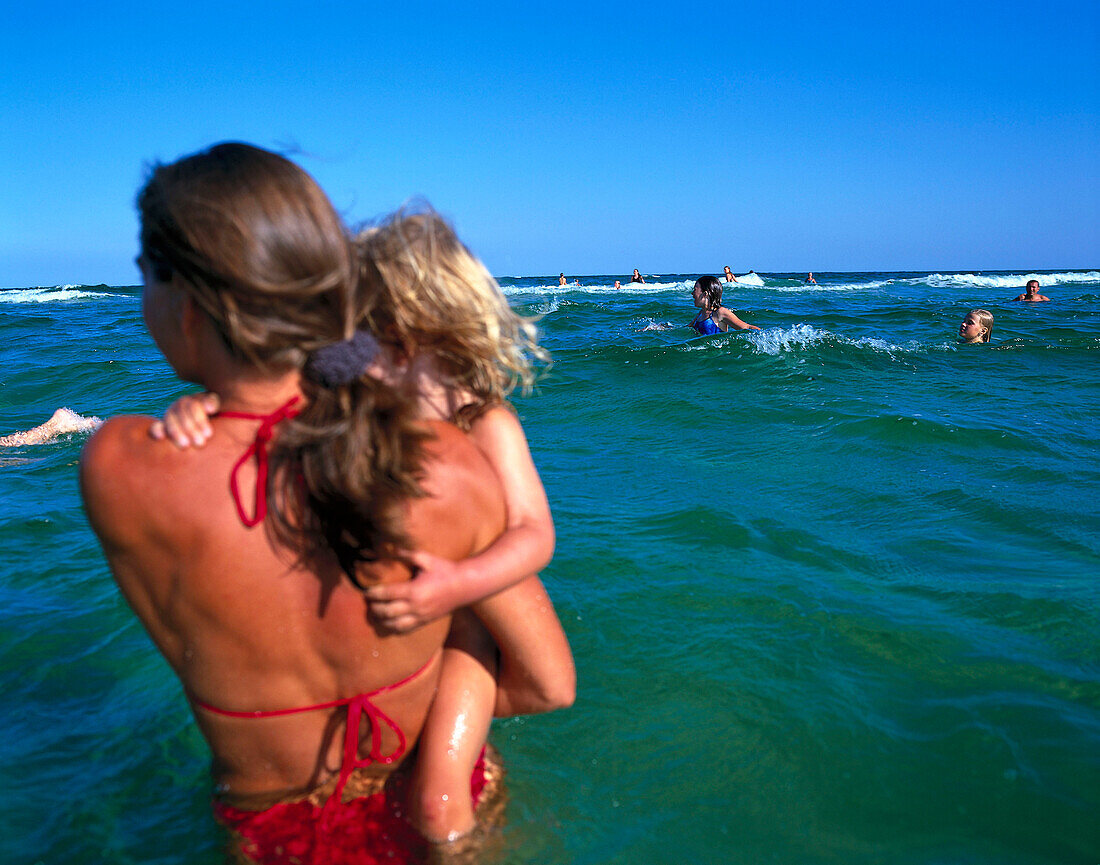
[(187, 421), (729, 316), (530, 535), (526, 546)]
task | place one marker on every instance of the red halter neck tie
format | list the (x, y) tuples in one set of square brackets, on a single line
[(259, 449)]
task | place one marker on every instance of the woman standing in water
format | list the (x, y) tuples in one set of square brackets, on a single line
[(317, 475)]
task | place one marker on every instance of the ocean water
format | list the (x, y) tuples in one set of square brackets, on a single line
[(832, 586)]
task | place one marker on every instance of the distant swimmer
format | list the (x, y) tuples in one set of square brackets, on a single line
[(562, 280), (1031, 293), (576, 282), (617, 284), (637, 277), (810, 279), (62, 421), (712, 317), (729, 275), (976, 327)]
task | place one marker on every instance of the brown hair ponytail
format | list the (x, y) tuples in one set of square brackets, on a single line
[(260, 248)]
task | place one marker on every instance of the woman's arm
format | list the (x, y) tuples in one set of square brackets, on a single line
[(440, 585), (62, 421), (536, 671), (728, 316)]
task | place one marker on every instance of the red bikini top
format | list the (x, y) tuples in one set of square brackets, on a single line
[(258, 448), (358, 705)]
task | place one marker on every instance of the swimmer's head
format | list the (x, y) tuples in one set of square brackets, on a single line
[(257, 245), (708, 291), (636, 272), (727, 270), (1032, 286), (976, 327)]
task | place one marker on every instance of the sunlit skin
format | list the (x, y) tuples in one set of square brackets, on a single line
[(1031, 293), (972, 330), (468, 697), (729, 275), (723, 317), (64, 420)]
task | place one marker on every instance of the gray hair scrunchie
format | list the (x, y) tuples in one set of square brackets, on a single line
[(343, 362)]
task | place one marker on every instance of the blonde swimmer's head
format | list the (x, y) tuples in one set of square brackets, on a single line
[(976, 327)]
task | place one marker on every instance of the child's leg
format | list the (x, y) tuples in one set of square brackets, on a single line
[(455, 731)]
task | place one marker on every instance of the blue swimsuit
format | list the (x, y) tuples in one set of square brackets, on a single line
[(705, 326)]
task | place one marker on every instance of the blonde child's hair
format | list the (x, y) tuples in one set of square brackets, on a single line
[(423, 289), (985, 319)]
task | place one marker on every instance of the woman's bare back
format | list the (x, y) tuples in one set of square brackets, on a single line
[(245, 628)]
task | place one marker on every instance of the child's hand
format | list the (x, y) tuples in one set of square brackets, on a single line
[(187, 421), (433, 592)]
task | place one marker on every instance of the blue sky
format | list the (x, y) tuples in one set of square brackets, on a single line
[(585, 138)]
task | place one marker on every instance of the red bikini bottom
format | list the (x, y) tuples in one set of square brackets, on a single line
[(367, 827)]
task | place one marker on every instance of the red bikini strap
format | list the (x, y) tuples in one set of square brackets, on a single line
[(344, 701), (259, 448), (357, 706)]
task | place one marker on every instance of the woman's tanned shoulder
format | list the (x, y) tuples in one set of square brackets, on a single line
[(457, 477)]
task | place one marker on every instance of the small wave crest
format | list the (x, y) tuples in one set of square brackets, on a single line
[(1016, 280), (650, 324), (598, 288), (55, 294), (797, 287), (547, 307), (802, 336)]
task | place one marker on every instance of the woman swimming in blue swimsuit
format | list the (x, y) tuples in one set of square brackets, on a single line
[(713, 317)]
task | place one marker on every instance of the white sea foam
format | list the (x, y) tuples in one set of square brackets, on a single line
[(803, 288), (964, 280), (776, 341), (654, 287), (634, 288), (49, 295), (513, 290), (547, 307), (650, 324)]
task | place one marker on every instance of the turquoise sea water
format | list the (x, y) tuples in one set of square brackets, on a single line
[(832, 586)]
